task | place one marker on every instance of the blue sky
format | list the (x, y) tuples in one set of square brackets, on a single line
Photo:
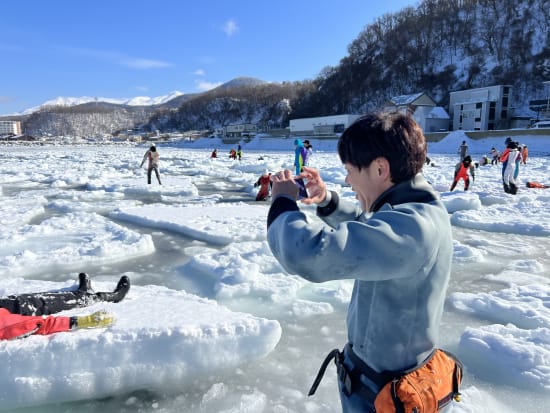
[(123, 49)]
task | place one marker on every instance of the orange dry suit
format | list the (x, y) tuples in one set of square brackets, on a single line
[(461, 172), (19, 326), (264, 182)]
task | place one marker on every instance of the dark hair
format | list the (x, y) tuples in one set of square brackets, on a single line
[(153, 149), (391, 135)]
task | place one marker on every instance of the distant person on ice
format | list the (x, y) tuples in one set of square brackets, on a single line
[(152, 156), (510, 167), (300, 155), (463, 150), (496, 155), (461, 172), (264, 182), (27, 314), (524, 154), (309, 151)]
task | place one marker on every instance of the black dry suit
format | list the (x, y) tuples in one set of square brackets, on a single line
[(46, 303)]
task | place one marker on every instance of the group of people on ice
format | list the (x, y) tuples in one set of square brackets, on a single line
[(302, 153), (236, 154), (511, 157)]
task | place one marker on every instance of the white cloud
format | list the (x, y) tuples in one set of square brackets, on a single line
[(120, 58), (142, 88), (203, 86), (199, 72), (139, 63), (230, 27)]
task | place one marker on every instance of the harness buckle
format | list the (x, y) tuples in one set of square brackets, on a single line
[(343, 375)]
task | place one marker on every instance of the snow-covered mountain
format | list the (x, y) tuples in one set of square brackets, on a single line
[(135, 101), (138, 100), (242, 81)]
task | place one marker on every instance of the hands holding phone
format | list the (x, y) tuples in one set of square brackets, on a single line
[(307, 187)]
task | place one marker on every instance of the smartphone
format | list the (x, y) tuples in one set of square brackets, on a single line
[(302, 191)]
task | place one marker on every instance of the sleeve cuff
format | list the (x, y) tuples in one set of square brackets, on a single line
[(328, 197), (330, 207), (280, 205)]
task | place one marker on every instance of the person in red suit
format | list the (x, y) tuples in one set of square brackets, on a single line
[(461, 172), (264, 182)]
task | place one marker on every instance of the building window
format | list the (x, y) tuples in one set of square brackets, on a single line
[(339, 128), (504, 114), (492, 110)]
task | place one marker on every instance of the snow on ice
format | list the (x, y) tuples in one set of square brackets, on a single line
[(68, 209)]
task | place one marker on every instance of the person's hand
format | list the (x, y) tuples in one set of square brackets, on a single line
[(283, 184), (316, 187), (99, 319)]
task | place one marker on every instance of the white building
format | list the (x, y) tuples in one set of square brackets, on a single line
[(240, 130), (8, 127), (486, 108), (423, 109), (324, 125)]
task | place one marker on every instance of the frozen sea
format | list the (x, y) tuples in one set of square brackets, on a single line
[(212, 322)]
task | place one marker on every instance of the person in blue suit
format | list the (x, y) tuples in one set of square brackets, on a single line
[(300, 155)]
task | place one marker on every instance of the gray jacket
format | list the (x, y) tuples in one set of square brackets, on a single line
[(399, 255)]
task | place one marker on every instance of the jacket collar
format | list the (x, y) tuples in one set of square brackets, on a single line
[(416, 189)]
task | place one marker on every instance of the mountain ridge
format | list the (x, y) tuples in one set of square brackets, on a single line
[(62, 101)]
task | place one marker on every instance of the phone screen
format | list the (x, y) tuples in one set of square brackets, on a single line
[(302, 191)]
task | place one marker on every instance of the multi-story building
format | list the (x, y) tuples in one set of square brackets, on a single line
[(236, 131), (9, 127), (486, 108)]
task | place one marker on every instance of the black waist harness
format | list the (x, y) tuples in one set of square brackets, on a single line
[(351, 379)]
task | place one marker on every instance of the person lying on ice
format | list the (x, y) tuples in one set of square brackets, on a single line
[(47, 303), (26, 314)]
